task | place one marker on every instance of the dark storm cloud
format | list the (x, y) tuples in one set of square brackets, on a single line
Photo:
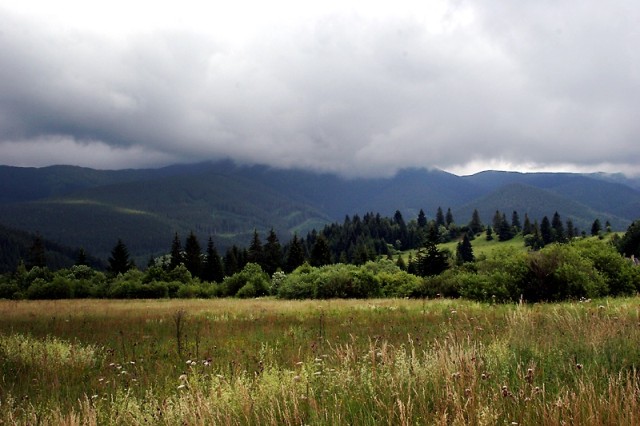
[(536, 84)]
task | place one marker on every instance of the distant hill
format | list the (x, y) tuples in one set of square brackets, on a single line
[(15, 246), (81, 207)]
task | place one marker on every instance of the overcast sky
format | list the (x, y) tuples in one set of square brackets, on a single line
[(360, 88)]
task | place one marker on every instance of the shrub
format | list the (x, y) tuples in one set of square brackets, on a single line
[(252, 274)]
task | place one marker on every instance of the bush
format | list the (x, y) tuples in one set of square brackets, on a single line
[(252, 274)]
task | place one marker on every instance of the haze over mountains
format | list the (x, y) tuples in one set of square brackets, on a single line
[(81, 207)]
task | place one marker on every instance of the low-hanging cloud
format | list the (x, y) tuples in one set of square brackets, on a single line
[(533, 86)]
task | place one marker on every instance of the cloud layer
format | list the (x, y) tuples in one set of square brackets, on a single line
[(455, 85)]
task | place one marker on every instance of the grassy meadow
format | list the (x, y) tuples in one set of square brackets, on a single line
[(346, 362)]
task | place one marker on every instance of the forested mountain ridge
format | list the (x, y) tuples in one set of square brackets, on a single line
[(82, 207)]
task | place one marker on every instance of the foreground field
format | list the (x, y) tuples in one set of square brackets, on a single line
[(331, 362)]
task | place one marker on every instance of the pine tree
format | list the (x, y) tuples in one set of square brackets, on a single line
[(119, 261), (497, 221), (255, 253), (440, 221), (558, 229), (527, 227), (231, 261), (505, 231), (176, 253), (515, 222), (546, 231), (272, 253), (430, 260), (81, 258), (212, 271), (320, 253), (193, 255), (449, 217), (571, 231), (476, 224), (489, 232), (596, 228), (464, 251), (422, 219), (295, 257)]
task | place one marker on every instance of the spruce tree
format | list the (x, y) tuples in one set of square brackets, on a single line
[(527, 227), (176, 253), (119, 261), (193, 255), (231, 261), (440, 221), (558, 229), (475, 225), (255, 253), (596, 227), (464, 251), (320, 253), (489, 233), (449, 217), (546, 231), (505, 231), (422, 219), (212, 271), (272, 253), (295, 256), (571, 231), (515, 222)]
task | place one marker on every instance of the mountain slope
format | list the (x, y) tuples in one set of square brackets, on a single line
[(536, 203), (88, 208)]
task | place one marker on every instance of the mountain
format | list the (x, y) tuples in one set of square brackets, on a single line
[(15, 245), (82, 207)]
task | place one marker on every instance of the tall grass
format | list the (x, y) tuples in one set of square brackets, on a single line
[(330, 362)]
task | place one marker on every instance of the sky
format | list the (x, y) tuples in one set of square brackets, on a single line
[(359, 88)]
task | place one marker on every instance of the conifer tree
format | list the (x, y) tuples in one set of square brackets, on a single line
[(558, 229), (505, 231), (489, 233), (193, 255), (212, 271), (320, 253), (422, 219), (176, 253), (464, 251), (449, 217), (400, 263), (440, 221), (571, 231), (475, 225), (515, 222), (527, 227), (596, 227), (272, 253), (231, 261), (295, 256), (255, 253), (546, 231), (119, 261)]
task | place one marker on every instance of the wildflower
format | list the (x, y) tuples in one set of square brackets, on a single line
[(453, 311), (529, 376), (467, 392), (318, 360), (94, 396), (183, 378), (455, 375), (299, 363), (132, 362), (296, 378), (317, 373), (182, 386), (579, 366)]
